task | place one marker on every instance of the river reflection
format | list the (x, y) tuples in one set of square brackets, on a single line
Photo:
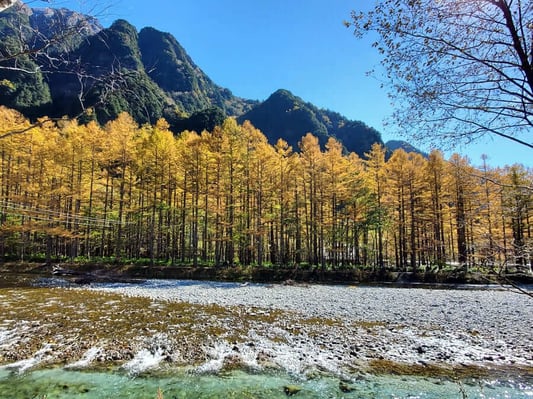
[(13, 280)]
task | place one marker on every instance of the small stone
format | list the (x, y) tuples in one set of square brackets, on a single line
[(344, 387), (291, 389)]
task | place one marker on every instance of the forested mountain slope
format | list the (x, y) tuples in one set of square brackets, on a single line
[(147, 73), (73, 64), (286, 116)]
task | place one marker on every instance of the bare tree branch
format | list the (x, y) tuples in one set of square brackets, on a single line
[(51, 51), (456, 70)]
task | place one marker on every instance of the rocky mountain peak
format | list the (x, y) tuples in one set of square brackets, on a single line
[(48, 21)]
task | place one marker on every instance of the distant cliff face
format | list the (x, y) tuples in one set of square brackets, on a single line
[(5, 4), (59, 29), (52, 22), (34, 44), (147, 74)]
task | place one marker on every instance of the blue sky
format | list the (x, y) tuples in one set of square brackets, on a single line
[(254, 47)]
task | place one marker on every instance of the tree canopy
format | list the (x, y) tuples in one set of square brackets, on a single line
[(457, 70), (226, 196)]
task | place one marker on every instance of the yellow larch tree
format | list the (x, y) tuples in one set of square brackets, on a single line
[(464, 206), (312, 180), (286, 246), (376, 181), (155, 179), (336, 189), (119, 155), (435, 171)]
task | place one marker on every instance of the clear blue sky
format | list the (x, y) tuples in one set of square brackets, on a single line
[(254, 47)]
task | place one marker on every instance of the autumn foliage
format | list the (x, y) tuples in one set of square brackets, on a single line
[(129, 192)]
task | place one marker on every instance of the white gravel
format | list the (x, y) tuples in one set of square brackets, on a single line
[(485, 328)]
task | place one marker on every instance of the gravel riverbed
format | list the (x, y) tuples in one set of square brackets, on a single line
[(334, 327), (347, 337), (300, 329)]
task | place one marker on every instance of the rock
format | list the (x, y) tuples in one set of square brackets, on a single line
[(232, 362), (291, 389), (344, 387)]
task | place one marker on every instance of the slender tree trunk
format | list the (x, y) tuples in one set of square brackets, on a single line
[(461, 227)]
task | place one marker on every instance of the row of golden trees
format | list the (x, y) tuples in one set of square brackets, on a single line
[(224, 197)]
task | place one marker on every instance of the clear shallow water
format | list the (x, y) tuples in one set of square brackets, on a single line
[(60, 383)]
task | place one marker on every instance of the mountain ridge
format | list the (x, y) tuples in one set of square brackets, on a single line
[(148, 74), (284, 115)]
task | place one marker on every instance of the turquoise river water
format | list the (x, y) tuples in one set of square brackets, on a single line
[(60, 383)]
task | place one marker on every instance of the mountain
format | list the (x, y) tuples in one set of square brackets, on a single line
[(31, 42), (52, 23), (393, 145), (169, 66), (38, 24), (283, 115), (151, 73), (109, 66), (146, 73)]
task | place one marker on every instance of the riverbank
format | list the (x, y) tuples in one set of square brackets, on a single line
[(86, 273)]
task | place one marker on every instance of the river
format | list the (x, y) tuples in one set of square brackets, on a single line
[(189, 339)]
